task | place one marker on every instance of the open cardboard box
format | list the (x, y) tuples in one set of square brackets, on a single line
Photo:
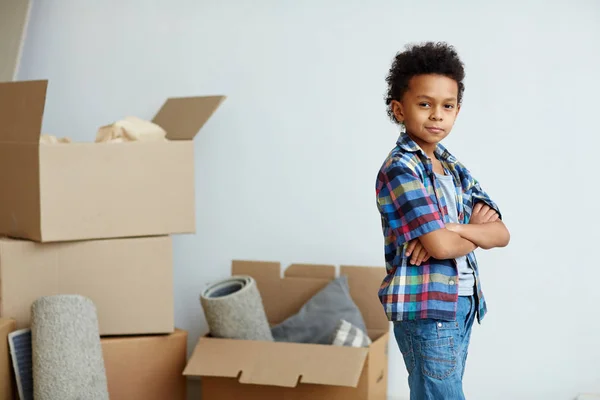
[(129, 280), (244, 369), (76, 191)]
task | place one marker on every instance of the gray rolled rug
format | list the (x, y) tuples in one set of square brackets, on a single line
[(67, 359), (234, 309)]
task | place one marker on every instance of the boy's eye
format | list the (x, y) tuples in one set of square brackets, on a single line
[(423, 104), (449, 106)]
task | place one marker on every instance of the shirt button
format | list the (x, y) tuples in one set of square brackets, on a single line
[(439, 324), (451, 282)]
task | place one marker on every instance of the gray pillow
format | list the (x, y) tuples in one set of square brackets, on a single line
[(317, 321)]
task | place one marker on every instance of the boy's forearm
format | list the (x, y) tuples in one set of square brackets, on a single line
[(445, 244), (486, 236), (457, 246)]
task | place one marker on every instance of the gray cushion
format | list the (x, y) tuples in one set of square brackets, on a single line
[(317, 320)]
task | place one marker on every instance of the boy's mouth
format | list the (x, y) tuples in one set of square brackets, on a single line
[(434, 129)]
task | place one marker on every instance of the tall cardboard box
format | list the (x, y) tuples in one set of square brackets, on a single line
[(146, 367), (261, 370), (77, 191), (129, 280), (7, 387)]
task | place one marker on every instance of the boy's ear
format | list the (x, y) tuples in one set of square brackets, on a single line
[(397, 111)]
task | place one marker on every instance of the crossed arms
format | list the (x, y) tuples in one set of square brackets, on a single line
[(484, 230), (407, 207)]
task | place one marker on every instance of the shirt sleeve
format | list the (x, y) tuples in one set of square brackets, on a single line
[(405, 204), (478, 194)]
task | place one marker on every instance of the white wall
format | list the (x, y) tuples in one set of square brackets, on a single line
[(285, 170)]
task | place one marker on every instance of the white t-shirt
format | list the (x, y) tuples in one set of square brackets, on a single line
[(465, 273)]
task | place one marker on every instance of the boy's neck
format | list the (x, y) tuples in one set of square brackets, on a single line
[(429, 151), (428, 148)]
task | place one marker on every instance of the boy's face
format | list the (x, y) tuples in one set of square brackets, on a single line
[(428, 109)]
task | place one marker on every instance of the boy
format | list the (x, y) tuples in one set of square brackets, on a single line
[(434, 215)]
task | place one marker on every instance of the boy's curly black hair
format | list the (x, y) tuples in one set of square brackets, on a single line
[(418, 59)]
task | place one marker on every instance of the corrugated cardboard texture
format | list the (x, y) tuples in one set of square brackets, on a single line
[(183, 117), (7, 386), (371, 385), (20, 194), (267, 370), (364, 284), (146, 367), (21, 111), (376, 368), (124, 190), (277, 364), (129, 280), (82, 191)]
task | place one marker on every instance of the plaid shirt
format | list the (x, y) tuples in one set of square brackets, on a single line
[(411, 204)]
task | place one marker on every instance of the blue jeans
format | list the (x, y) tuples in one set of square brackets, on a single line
[(435, 353)]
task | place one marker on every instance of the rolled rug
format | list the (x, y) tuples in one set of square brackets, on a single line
[(67, 359), (234, 309)]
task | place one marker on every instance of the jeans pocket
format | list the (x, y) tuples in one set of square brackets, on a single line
[(438, 357)]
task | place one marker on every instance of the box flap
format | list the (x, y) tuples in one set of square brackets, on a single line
[(20, 194), (310, 271), (277, 364), (259, 270), (21, 110), (183, 117), (364, 285)]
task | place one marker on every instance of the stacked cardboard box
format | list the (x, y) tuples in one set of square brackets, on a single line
[(95, 219)]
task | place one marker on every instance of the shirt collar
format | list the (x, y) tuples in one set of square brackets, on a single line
[(407, 144)]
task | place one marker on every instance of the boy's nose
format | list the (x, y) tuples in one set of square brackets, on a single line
[(436, 114)]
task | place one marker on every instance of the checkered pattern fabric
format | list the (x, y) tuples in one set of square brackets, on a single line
[(411, 204), (348, 334)]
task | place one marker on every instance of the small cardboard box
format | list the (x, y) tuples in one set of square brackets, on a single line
[(146, 367), (253, 370), (7, 385), (129, 280), (77, 191)]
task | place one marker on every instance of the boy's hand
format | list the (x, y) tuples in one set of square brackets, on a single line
[(419, 254), (453, 227), (482, 214)]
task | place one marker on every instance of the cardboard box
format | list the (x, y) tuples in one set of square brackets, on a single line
[(7, 384), (146, 367), (77, 191), (238, 369), (129, 280)]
